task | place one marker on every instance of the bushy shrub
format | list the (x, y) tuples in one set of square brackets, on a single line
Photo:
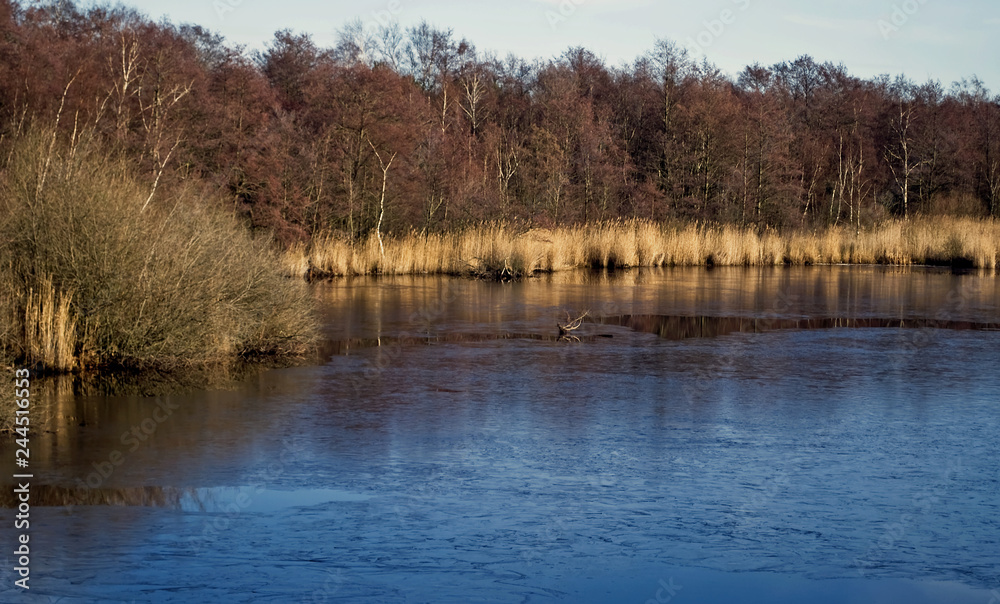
[(150, 282)]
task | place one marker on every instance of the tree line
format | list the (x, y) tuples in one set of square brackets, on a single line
[(397, 129)]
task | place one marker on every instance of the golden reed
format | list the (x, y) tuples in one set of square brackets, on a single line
[(491, 248), (49, 328)]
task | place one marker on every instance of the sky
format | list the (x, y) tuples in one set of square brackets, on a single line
[(921, 39)]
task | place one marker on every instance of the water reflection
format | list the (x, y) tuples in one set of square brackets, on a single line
[(372, 308), (679, 328), (215, 499), (60, 496)]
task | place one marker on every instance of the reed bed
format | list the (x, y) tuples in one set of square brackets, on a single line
[(500, 249), (49, 328)]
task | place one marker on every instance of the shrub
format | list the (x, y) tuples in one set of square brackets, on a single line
[(164, 282)]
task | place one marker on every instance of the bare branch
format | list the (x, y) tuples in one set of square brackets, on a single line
[(566, 330), (55, 133)]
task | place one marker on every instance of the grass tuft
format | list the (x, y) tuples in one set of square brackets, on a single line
[(49, 337)]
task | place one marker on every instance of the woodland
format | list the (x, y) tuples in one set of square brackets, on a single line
[(401, 129)]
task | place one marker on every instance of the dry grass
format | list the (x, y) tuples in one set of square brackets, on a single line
[(495, 249), (49, 328)]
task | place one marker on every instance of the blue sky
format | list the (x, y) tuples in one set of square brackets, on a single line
[(923, 39)]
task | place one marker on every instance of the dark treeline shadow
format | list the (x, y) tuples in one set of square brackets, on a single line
[(680, 327)]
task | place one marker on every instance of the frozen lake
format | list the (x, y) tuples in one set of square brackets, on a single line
[(822, 434)]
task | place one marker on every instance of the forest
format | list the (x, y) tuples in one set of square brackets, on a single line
[(401, 130)]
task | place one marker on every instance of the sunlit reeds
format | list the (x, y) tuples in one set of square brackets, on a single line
[(49, 328), (491, 248)]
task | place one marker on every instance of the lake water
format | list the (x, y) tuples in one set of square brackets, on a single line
[(821, 434)]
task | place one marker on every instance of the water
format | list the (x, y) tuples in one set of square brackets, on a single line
[(451, 449)]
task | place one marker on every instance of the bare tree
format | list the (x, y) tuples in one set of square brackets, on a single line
[(901, 154), (475, 90), (850, 184), (356, 44), (381, 202), (507, 163), (127, 82), (390, 46)]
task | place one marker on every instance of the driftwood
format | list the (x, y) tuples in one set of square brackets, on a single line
[(566, 330)]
